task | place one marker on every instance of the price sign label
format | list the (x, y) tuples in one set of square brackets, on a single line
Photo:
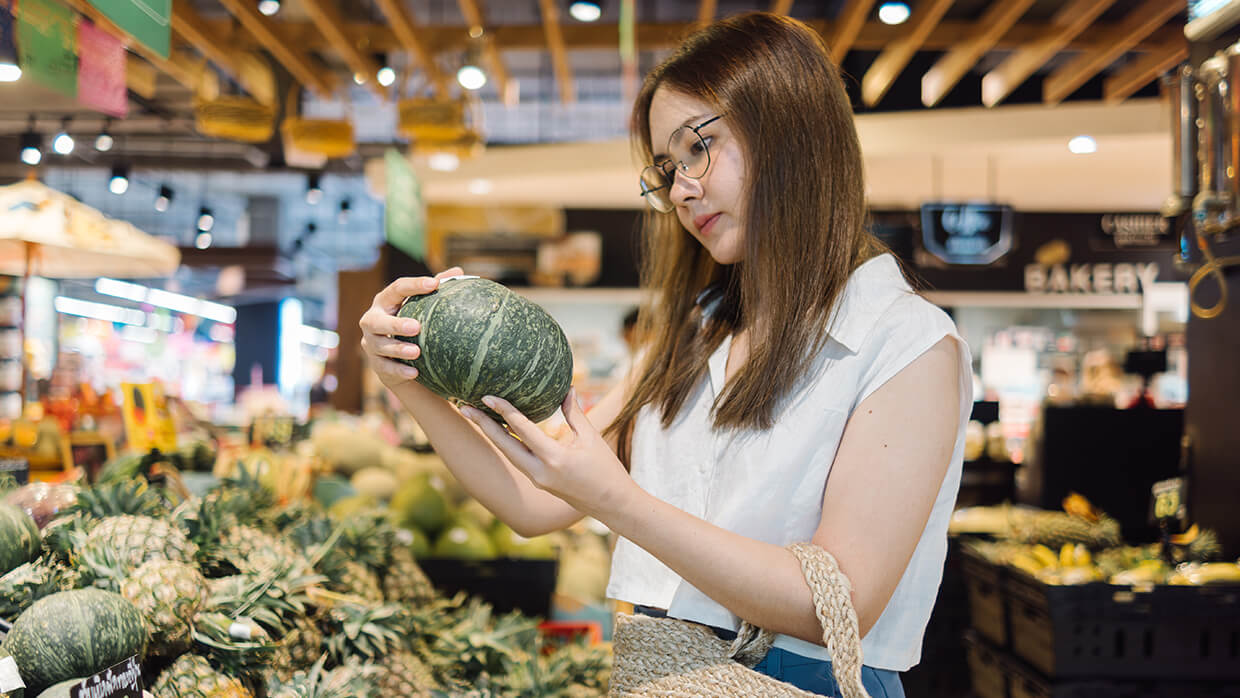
[(1168, 500), (122, 680)]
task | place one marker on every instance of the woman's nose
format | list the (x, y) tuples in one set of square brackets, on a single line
[(684, 188)]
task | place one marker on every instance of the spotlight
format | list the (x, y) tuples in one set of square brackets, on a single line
[(893, 13), (585, 11), (32, 148), (269, 7), (386, 76), (104, 141), (343, 216), (314, 192), (471, 77), (1082, 145), (63, 143), (206, 220), (119, 184), (311, 228), (164, 199), (202, 240), (443, 162), (359, 78)]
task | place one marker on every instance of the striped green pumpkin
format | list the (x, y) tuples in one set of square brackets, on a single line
[(19, 538), (74, 633), (478, 338)]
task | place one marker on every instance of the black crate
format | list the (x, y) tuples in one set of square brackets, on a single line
[(987, 611), (1112, 632), (986, 667), (1025, 682), (506, 583)]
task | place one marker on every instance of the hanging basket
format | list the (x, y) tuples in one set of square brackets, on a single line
[(427, 118), (329, 138), (235, 119), (468, 145)]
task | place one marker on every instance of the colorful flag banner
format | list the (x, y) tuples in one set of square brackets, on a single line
[(145, 20), (101, 71), (47, 44)]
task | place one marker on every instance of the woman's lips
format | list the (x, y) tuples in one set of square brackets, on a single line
[(705, 223)]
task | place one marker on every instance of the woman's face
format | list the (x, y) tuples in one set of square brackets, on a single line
[(711, 207)]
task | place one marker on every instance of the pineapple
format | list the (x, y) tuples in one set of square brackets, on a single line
[(238, 646), (169, 594), (348, 681), (365, 631), (358, 579), (30, 582), (134, 496), (191, 676), (278, 601), (136, 539), (404, 581), (304, 642), (404, 674), (252, 550)]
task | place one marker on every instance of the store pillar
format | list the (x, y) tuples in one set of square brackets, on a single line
[(257, 344)]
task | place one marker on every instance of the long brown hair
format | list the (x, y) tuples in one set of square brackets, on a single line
[(804, 223)]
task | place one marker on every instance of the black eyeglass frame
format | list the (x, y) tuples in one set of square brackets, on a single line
[(661, 167)]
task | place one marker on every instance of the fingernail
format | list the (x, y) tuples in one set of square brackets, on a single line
[(469, 412), (489, 401), (411, 327)]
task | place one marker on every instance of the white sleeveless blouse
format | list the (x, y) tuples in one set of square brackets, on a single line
[(769, 485)]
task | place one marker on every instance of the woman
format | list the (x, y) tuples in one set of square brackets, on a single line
[(792, 388)]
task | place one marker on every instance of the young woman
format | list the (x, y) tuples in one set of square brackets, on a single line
[(793, 386)]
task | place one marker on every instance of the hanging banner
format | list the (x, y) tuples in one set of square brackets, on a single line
[(404, 213), (47, 44), (147, 21), (101, 71)]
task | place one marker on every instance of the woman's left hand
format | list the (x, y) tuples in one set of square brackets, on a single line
[(579, 467)]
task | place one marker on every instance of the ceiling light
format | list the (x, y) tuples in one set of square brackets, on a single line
[(269, 7), (9, 71), (585, 11), (202, 240), (119, 184), (386, 76), (471, 77), (893, 13), (164, 198), (206, 220), (480, 187), (443, 162), (1083, 145), (104, 141), (63, 142), (359, 78), (314, 192), (32, 148)]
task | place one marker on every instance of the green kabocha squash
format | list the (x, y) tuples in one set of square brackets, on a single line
[(62, 689), (19, 538), (74, 633), (478, 338)]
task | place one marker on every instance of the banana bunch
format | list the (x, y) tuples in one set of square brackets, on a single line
[(1197, 574), (1073, 564)]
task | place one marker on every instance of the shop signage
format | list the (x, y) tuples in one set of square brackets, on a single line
[(404, 213), (147, 21), (101, 71), (1090, 278), (966, 233), (122, 680), (1136, 229), (1167, 500), (47, 41)]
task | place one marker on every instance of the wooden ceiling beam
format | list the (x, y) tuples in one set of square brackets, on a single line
[(892, 61), (297, 63), (326, 16), (172, 67), (781, 7), (1066, 25), (847, 27), (490, 52), (559, 54), (406, 31), (1143, 71), (1136, 25), (188, 25), (947, 71), (436, 39)]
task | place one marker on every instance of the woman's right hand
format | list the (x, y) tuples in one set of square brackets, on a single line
[(380, 326)]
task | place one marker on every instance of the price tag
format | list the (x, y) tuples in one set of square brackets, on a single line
[(1168, 500), (240, 631), (19, 468), (122, 680), (272, 430), (10, 677)]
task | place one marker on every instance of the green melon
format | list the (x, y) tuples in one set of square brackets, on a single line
[(420, 503), (19, 538), (62, 689), (478, 338), (464, 542), (74, 633)]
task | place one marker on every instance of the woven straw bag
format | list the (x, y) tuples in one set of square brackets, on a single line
[(668, 657)]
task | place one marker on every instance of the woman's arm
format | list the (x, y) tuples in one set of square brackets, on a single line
[(886, 476)]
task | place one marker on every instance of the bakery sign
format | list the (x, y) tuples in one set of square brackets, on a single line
[(966, 233), (1136, 229), (1102, 277)]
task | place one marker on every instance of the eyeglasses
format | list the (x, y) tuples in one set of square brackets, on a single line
[(688, 155)]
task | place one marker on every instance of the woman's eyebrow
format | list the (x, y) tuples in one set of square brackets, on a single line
[(691, 119)]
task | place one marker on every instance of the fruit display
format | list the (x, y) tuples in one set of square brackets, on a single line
[(479, 338), (236, 593)]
